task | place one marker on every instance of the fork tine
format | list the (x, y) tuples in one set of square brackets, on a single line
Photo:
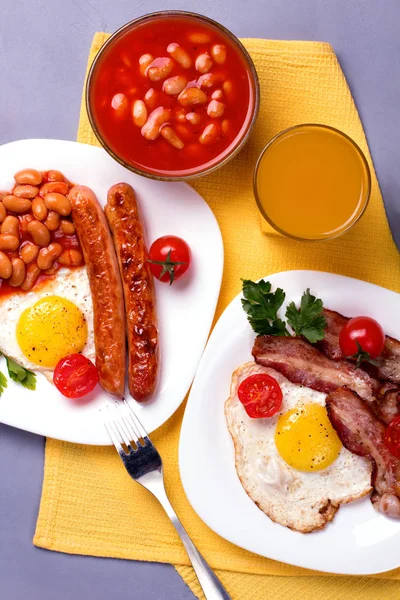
[(114, 438), (135, 421), (128, 434)]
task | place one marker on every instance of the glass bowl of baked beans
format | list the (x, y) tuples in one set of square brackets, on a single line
[(172, 95)]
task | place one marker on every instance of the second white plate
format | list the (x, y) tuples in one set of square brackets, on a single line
[(185, 310), (359, 541)]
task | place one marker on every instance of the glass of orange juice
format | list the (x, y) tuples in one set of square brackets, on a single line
[(312, 182)]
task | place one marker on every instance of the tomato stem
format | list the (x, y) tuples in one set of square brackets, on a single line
[(168, 266), (362, 356)]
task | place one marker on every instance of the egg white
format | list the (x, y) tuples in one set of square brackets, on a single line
[(71, 284), (302, 501)]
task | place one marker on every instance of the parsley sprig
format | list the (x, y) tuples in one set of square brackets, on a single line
[(262, 306), (18, 374)]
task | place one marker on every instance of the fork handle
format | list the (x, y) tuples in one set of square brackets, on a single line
[(209, 582)]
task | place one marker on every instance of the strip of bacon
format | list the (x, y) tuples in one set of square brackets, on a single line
[(304, 364), (361, 432), (388, 367)]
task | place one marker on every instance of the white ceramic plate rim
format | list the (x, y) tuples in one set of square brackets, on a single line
[(359, 541), (92, 166)]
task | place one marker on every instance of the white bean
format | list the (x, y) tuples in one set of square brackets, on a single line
[(180, 55), (158, 117), (174, 85), (215, 109), (227, 86), (119, 103), (193, 118), (144, 62), (210, 79), (180, 115), (139, 113), (160, 68), (203, 63), (169, 134), (226, 127), (192, 96), (217, 95), (218, 52), (150, 98), (210, 134)]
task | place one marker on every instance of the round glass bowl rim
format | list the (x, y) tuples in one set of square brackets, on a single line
[(363, 160), (254, 82)]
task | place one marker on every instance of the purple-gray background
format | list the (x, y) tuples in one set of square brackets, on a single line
[(43, 52)]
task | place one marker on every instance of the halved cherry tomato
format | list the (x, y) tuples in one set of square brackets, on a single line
[(169, 258), (260, 395), (75, 376), (367, 332), (392, 437)]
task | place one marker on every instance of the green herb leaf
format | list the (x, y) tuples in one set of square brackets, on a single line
[(3, 383), (17, 373), (261, 306), (307, 321)]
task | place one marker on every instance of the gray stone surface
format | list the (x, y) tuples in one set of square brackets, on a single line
[(43, 53)]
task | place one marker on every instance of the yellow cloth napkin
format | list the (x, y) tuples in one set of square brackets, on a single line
[(89, 504)]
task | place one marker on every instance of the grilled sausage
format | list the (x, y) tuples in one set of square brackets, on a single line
[(105, 286), (124, 220)]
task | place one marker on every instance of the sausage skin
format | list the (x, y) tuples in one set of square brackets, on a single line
[(123, 217), (105, 286)]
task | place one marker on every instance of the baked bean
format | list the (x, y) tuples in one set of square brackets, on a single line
[(55, 175), (144, 61), (160, 68), (226, 127), (215, 109), (52, 269), (26, 191), (150, 98), (193, 118), (24, 221), (139, 113), (3, 212), (227, 86), (158, 117), (31, 277), (52, 221), (67, 227), (218, 52), (119, 103), (183, 131), (39, 209), (8, 242), (48, 255), (29, 176), (217, 95), (210, 134), (54, 186), (17, 205), (28, 252), (169, 134), (18, 272), (192, 96), (198, 37), (210, 79), (39, 233), (174, 85), (5, 266), (180, 55), (70, 258), (180, 114), (203, 63), (126, 60), (10, 225), (59, 203)]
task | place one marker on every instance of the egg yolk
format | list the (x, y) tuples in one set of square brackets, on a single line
[(50, 329), (305, 438)]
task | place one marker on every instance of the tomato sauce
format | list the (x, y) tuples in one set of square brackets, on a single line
[(118, 73)]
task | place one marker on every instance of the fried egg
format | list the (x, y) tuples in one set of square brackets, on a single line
[(293, 465), (53, 320)]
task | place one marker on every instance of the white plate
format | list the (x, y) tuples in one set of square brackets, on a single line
[(359, 540), (185, 310)]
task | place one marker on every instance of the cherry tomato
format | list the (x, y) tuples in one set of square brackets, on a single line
[(75, 376), (367, 332), (392, 437), (169, 258), (260, 395)]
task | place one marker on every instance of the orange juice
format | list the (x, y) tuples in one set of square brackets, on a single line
[(312, 182)]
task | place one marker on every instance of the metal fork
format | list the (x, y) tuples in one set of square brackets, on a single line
[(144, 465)]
